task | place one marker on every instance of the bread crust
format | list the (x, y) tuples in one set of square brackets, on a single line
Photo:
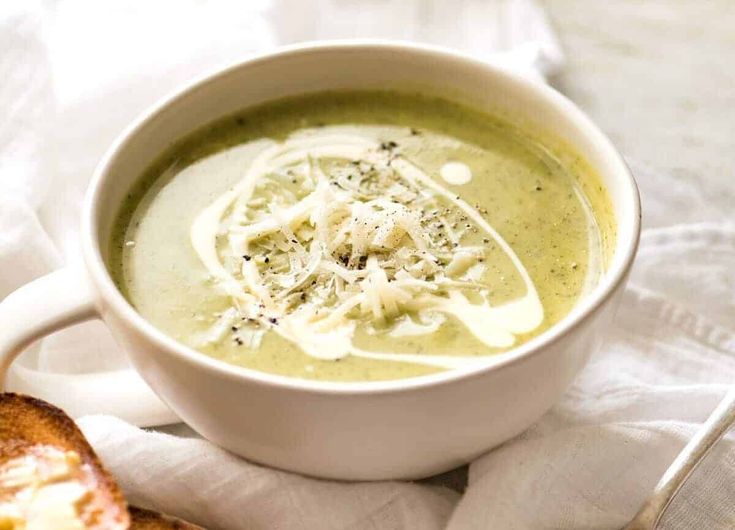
[(143, 519), (30, 427)]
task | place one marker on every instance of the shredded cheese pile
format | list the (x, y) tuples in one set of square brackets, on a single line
[(327, 231)]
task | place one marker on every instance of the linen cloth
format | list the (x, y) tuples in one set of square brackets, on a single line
[(74, 73)]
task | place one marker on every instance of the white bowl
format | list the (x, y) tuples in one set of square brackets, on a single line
[(357, 431)]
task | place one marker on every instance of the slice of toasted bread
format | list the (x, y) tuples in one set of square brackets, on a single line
[(49, 473), (148, 520)]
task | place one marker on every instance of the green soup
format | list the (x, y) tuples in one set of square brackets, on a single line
[(359, 236)]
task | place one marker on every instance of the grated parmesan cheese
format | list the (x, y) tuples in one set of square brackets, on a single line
[(366, 237)]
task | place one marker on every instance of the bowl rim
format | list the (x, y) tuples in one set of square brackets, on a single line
[(114, 300)]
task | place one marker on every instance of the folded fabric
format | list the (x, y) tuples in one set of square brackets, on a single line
[(591, 461), (587, 464), (197, 481)]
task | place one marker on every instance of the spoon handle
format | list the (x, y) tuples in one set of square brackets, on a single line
[(719, 422)]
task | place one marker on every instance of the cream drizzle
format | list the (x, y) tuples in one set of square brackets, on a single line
[(331, 337), (456, 173)]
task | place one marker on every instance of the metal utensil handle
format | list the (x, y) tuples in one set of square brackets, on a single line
[(719, 422)]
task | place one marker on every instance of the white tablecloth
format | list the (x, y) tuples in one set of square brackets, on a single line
[(74, 73)]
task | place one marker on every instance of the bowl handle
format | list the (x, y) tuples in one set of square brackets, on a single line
[(47, 304)]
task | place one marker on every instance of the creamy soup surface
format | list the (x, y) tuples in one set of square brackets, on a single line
[(360, 236)]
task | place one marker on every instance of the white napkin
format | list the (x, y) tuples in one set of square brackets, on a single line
[(76, 72), (591, 461), (193, 479), (587, 464)]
